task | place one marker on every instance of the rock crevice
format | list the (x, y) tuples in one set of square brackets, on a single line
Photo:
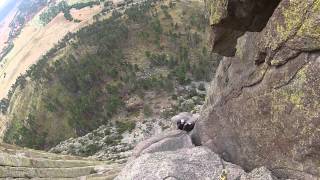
[(262, 108)]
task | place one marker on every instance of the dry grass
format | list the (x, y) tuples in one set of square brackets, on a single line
[(35, 40), (32, 43)]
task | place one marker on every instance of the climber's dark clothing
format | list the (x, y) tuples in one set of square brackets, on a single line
[(188, 126), (185, 125), (181, 123), (185, 121)]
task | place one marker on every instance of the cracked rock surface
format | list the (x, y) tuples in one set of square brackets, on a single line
[(263, 107), (198, 163)]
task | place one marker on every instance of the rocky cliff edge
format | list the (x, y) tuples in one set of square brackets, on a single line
[(263, 107)]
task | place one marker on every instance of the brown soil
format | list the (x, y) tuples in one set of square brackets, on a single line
[(32, 43)]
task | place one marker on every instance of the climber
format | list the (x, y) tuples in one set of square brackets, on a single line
[(188, 126), (185, 121), (181, 123)]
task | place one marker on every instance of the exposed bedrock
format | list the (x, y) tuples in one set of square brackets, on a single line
[(263, 107), (21, 163), (168, 161)]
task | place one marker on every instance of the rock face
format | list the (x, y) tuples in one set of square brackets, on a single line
[(198, 163), (259, 173), (169, 141), (187, 164), (263, 106), (173, 156)]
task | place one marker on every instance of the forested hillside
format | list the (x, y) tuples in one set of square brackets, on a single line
[(86, 79)]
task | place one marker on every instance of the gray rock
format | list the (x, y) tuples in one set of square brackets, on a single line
[(261, 173), (262, 108), (188, 117), (169, 141), (188, 164), (170, 144)]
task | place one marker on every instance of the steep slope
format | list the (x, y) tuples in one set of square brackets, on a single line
[(92, 77), (263, 105), (20, 163), (29, 39)]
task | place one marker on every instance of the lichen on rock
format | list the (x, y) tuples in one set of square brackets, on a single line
[(263, 107)]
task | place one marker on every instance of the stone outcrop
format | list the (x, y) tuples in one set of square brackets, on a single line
[(261, 173), (187, 164), (173, 156), (30, 164), (169, 141), (262, 108)]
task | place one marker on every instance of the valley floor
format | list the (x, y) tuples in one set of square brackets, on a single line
[(34, 41)]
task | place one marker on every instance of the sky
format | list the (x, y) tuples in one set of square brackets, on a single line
[(3, 3), (5, 7)]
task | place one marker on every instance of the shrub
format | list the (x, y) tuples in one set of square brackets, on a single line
[(123, 126), (91, 149), (4, 104), (147, 110), (110, 140), (202, 87), (23, 133)]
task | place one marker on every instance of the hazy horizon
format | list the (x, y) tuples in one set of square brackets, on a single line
[(3, 3), (5, 7)]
